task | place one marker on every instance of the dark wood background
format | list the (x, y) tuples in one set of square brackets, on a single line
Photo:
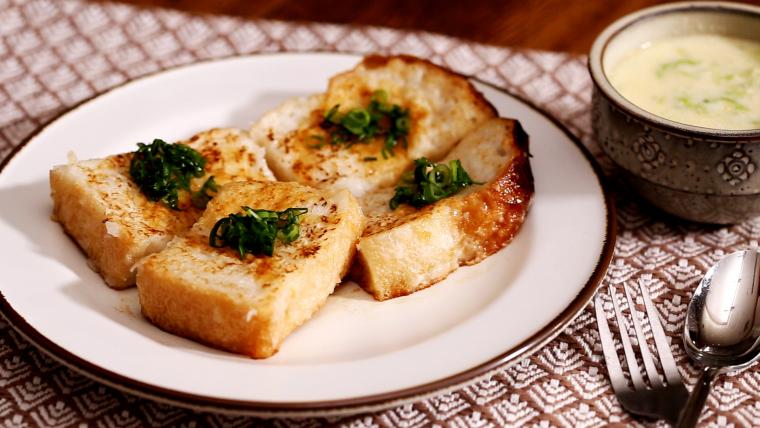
[(561, 25)]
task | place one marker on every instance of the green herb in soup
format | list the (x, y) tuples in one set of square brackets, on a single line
[(703, 80), (684, 66)]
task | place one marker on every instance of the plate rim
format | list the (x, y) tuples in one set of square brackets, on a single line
[(352, 405)]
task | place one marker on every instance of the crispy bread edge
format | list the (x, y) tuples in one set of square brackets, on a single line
[(166, 302), (85, 224), (511, 193), (160, 299), (375, 61)]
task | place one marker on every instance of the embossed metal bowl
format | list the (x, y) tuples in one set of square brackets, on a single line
[(700, 174)]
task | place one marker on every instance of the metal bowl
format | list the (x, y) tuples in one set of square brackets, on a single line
[(700, 174)]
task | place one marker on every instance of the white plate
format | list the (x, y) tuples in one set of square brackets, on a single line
[(356, 353)]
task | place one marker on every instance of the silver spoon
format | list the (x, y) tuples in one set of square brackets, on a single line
[(722, 328)]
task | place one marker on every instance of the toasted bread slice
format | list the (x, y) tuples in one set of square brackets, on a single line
[(407, 249), (105, 212), (443, 107), (249, 306)]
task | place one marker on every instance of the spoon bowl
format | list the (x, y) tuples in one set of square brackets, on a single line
[(723, 318), (722, 329)]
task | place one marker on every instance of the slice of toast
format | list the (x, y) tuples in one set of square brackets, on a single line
[(249, 306), (104, 211), (404, 250), (443, 107)]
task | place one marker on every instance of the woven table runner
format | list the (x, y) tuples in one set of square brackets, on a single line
[(54, 54)]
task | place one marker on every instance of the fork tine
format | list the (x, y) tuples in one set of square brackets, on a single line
[(630, 357), (646, 356), (619, 384), (663, 348)]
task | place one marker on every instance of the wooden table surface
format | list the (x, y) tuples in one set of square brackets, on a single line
[(560, 25)]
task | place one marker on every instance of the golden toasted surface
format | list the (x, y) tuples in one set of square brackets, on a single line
[(407, 249), (231, 155), (315, 229), (104, 211), (250, 305), (443, 107)]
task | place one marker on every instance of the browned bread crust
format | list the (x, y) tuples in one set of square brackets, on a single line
[(443, 107), (103, 210), (250, 305), (406, 250)]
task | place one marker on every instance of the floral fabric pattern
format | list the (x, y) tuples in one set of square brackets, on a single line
[(57, 53)]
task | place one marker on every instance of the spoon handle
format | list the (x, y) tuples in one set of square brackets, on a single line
[(697, 399)]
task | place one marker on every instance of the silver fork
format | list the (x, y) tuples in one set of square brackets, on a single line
[(660, 398)]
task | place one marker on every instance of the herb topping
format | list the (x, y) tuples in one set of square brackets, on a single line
[(201, 197), (429, 182), (254, 231), (379, 119), (161, 170)]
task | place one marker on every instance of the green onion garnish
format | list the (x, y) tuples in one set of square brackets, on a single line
[(429, 182), (255, 231), (379, 119), (201, 197), (161, 170)]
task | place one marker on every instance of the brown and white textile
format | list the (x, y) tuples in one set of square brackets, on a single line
[(54, 54)]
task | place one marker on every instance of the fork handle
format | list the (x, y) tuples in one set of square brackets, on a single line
[(697, 399)]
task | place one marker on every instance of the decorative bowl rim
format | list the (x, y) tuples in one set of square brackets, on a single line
[(599, 77)]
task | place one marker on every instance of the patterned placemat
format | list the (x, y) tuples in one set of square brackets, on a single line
[(54, 54)]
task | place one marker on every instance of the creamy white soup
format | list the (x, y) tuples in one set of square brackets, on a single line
[(703, 80)]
